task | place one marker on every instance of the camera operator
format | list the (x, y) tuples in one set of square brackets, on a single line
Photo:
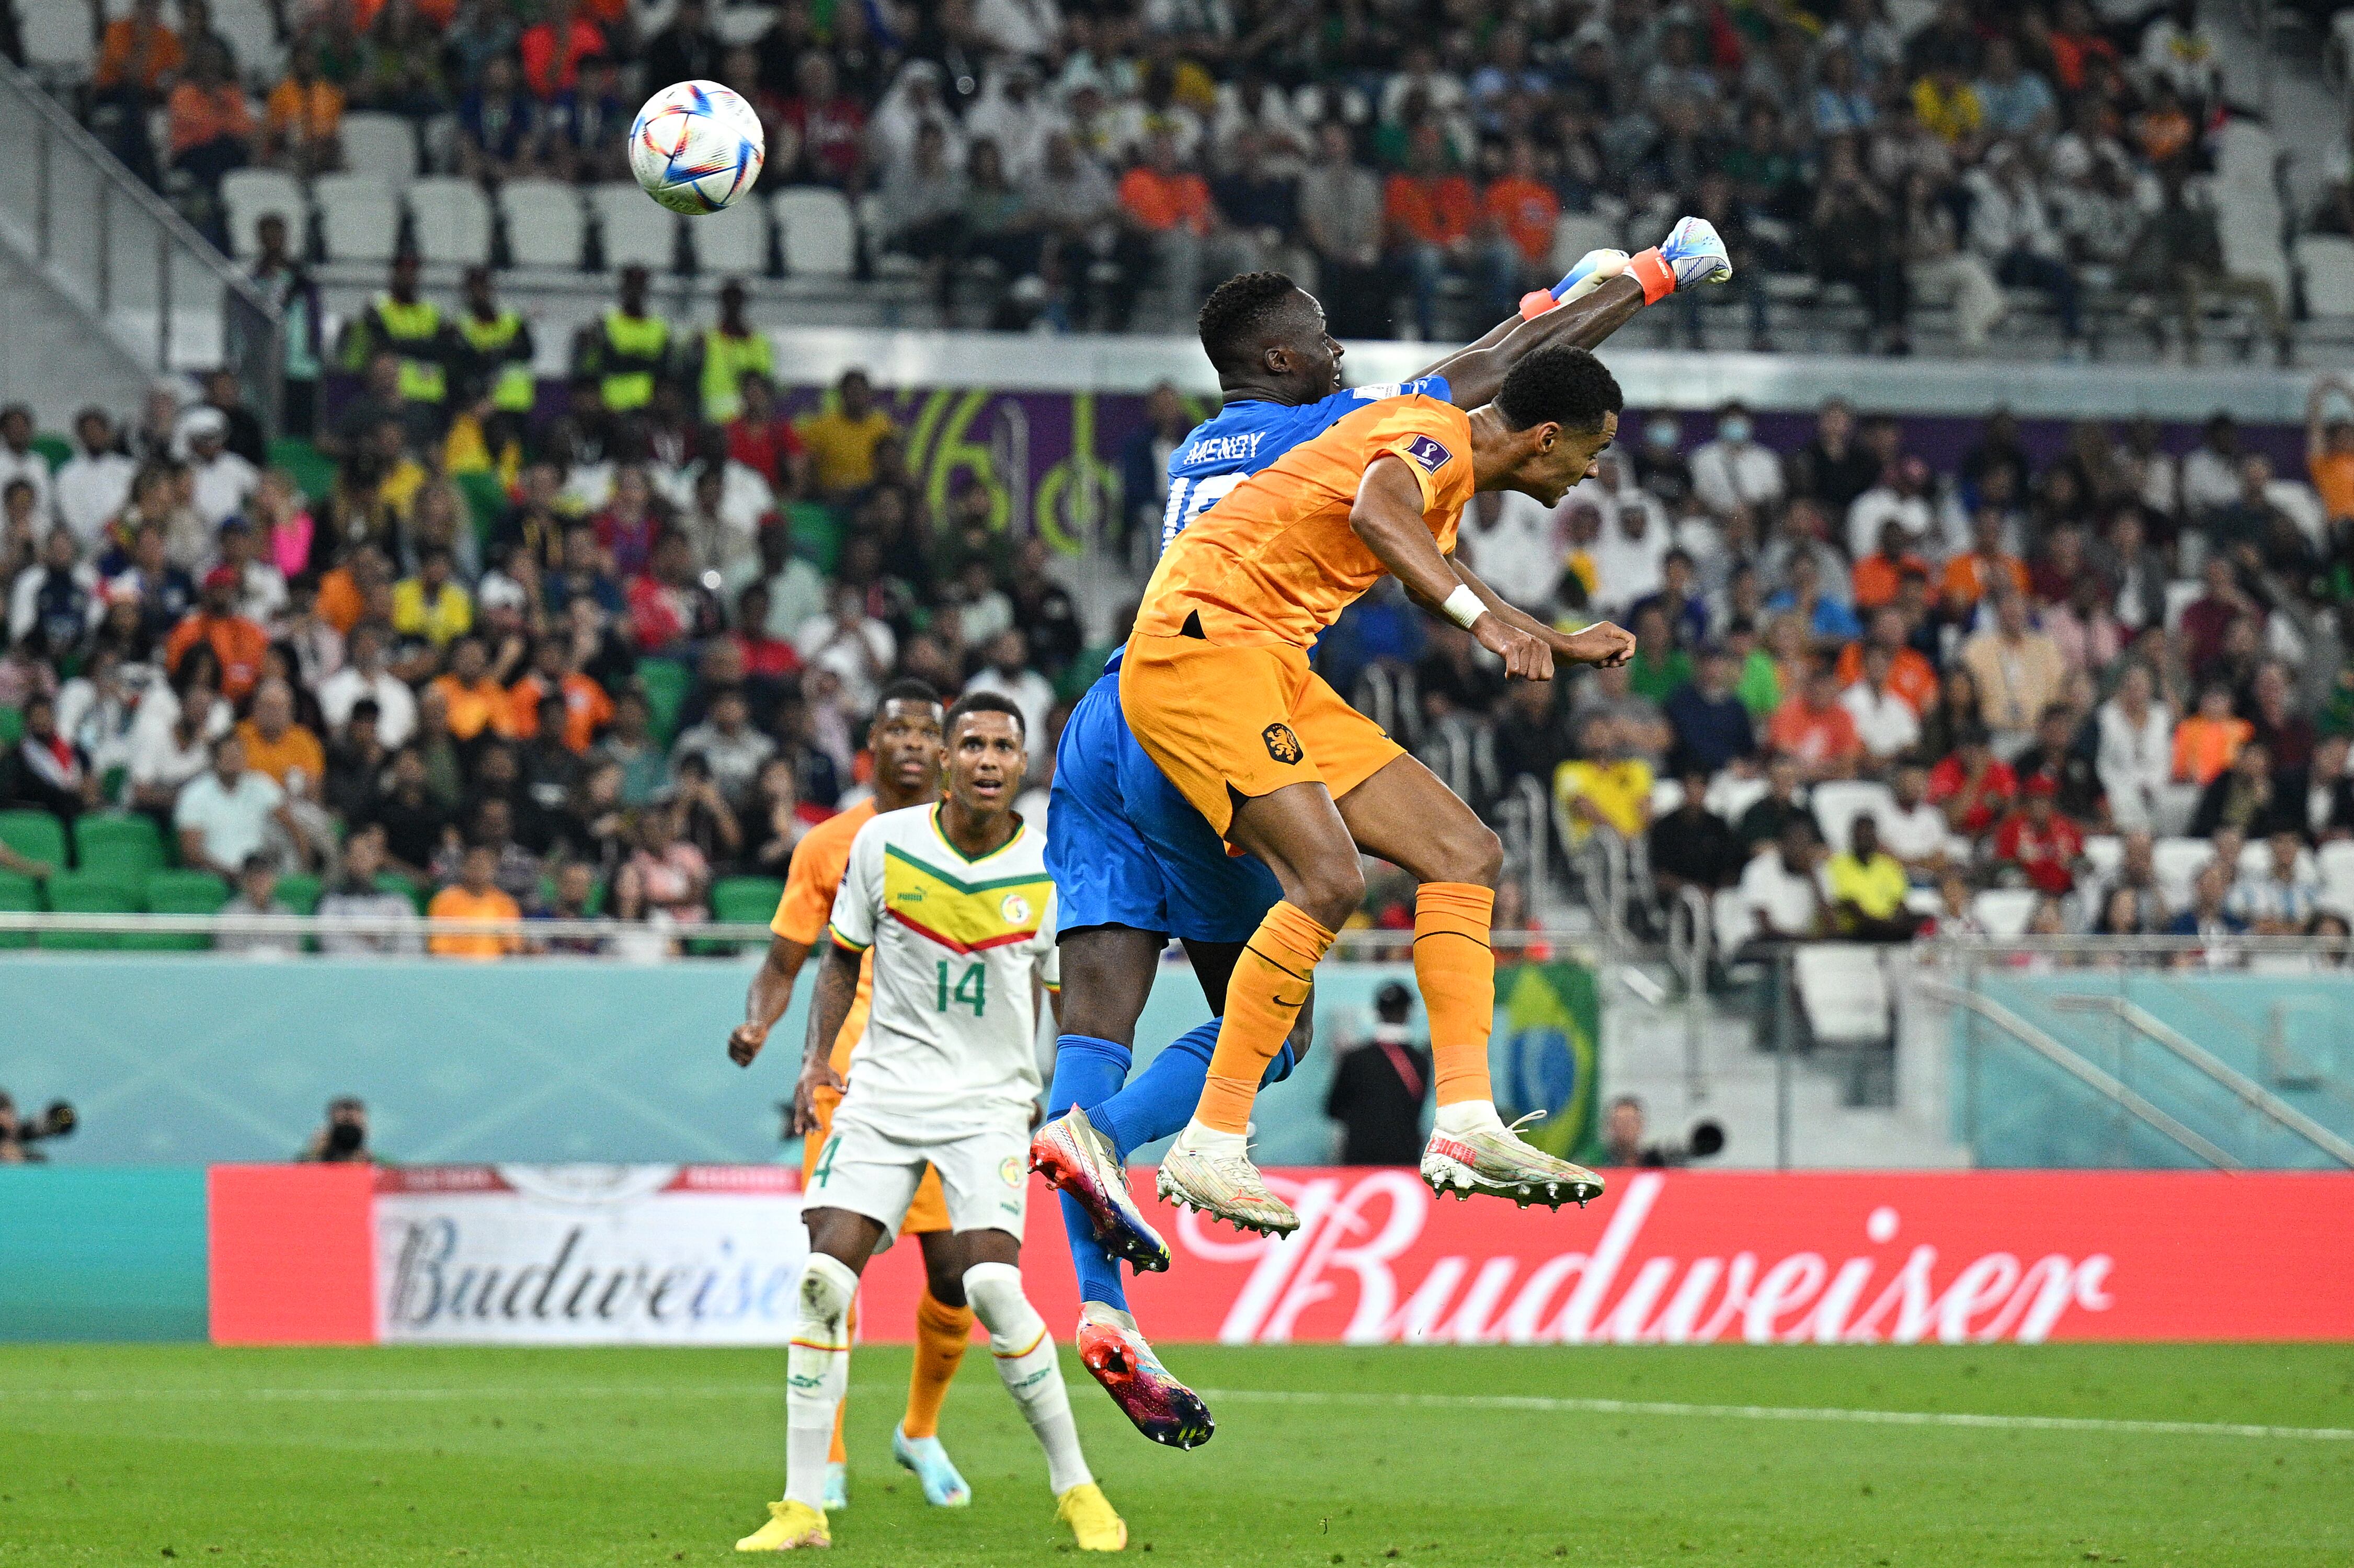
[(18, 1135), (1623, 1145), (1379, 1087), (343, 1140)]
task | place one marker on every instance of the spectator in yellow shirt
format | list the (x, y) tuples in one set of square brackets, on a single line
[(1610, 788), (474, 897), (1867, 888), (432, 604), (841, 441), (1949, 107), (2330, 447)]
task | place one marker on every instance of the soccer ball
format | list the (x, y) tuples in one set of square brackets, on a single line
[(696, 147)]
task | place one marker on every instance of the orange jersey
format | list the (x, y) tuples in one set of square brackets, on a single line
[(1275, 562), (810, 883)]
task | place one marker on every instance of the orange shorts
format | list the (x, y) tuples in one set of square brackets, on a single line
[(929, 1211), (1229, 723)]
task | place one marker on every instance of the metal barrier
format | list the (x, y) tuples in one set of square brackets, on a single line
[(117, 250)]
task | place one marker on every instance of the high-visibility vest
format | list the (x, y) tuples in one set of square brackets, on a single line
[(512, 388), (637, 342), (726, 359), (422, 380)]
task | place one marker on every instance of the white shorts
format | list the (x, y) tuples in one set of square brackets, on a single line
[(872, 1170)]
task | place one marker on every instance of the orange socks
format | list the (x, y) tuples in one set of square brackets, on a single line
[(941, 1334), (1263, 998), (1456, 969)]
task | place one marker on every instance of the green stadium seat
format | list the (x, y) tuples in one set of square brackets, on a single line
[(54, 449), (181, 892), (78, 893), (315, 474), (817, 534), (36, 835), (18, 896), (300, 894), (11, 726), (120, 844), (666, 682), (486, 499), (746, 900), (393, 881)]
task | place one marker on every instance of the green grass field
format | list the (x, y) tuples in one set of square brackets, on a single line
[(464, 1458)]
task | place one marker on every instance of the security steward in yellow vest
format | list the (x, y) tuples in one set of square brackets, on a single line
[(414, 331), (628, 350), (497, 361), (726, 352)]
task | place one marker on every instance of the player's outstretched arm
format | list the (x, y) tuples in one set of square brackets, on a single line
[(837, 987), (1474, 376), (765, 1001), (1387, 516), (1601, 643)]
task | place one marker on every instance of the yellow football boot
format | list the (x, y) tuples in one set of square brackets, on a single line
[(1088, 1513), (792, 1525)]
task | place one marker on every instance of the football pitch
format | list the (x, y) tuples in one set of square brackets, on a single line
[(464, 1459)]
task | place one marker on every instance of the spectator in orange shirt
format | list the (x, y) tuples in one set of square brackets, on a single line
[(302, 123), (587, 708), (2208, 741), (473, 896), (1814, 729), (237, 643), (1878, 576), (554, 46), (277, 746), (211, 124), (1432, 216), (476, 701), (2329, 448), (139, 51), (1170, 207), (1971, 575), (1524, 209), (1910, 674)]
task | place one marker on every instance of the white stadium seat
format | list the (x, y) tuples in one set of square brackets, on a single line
[(2336, 860), (1575, 233), (2004, 911), (382, 145), (1838, 802), (57, 36), (1667, 795), (251, 35), (1729, 794), (357, 215), (821, 239), (544, 223), (249, 194), (639, 231), (1844, 991), (734, 243), (2105, 852), (451, 219), (2327, 262), (2176, 862)]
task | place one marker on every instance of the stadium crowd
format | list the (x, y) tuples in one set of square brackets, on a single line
[(1382, 151)]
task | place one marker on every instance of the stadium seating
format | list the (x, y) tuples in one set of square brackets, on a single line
[(2004, 911), (819, 235), (35, 835), (300, 894), (182, 893), (734, 242), (451, 220), (78, 893), (636, 232), (1575, 233), (666, 682), (382, 145), (747, 900), (249, 195), (1843, 990), (359, 220), (18, 896), (1838, 802), (2326, 264), (2178, 862), (544, 223), (124, 846)]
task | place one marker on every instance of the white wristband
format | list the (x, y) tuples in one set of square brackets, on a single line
[(1463, 607)]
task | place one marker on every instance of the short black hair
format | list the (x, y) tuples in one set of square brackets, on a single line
[(1239, 314), (1565, 385), (906, 689), (984, 702)]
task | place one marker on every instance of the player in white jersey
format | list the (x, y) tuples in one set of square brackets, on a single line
[(956, 904)]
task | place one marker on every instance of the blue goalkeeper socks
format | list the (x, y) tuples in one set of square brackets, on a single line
[(1162, 1099), (1087, 1071)]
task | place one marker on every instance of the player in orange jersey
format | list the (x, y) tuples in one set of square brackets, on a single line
[(1217, 689), (905, 739)]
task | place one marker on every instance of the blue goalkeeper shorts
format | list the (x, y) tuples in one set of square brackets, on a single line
[(1125, 848)]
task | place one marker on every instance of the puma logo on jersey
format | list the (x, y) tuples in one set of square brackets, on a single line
[(1282, 744), (1428, 453)]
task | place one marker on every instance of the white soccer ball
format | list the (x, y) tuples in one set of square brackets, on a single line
[(696, 147)]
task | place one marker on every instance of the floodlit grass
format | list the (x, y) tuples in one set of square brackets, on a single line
[(464, 1459)]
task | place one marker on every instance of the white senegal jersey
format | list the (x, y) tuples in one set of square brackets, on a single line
[(953, 1031)]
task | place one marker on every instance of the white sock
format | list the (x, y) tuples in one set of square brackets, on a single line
[(818, 1375), (1469, 1115), (1024, 1353), (1199, 1140)]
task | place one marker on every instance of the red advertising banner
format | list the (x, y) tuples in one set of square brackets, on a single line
[(1691, 1258)]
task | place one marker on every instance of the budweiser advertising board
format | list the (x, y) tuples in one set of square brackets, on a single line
[(709, 1254)]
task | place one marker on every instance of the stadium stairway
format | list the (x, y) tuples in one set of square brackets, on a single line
[(53, 354)]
